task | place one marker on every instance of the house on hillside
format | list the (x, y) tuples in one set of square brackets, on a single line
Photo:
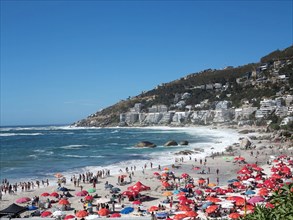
[(209, 86), (267, 106), (137, 108), (158, 108)]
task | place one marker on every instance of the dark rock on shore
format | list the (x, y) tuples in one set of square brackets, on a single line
[(145, 144), (184, 152), (171, 143), (183, 143), (246, 131)]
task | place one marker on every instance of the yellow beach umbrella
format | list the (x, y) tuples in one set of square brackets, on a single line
[(212, 184), (167, 193)]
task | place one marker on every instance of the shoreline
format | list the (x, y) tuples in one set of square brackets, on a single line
[(164, 158), (223, 162)]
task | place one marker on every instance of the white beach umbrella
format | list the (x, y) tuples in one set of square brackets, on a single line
[(102, 200), (58, 213), (92, 217)]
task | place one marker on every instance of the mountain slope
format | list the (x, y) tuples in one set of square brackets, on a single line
[(192, 84)]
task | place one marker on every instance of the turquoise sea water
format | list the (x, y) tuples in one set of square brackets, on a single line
[(29, 153)]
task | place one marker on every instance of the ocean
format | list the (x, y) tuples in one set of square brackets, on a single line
[(29, 153)]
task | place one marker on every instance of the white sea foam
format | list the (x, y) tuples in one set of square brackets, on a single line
[(47, 128), (49, 153), (77, 156), (39, 151), (19, 134), (73, 147)]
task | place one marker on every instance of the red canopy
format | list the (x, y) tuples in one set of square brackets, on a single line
[(139, 187)]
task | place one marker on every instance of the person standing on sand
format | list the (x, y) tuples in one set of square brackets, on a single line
[(153, 216)]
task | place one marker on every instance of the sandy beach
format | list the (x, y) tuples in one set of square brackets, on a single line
[(263, 151)]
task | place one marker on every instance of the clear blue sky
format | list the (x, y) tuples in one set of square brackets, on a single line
[(64, 60)]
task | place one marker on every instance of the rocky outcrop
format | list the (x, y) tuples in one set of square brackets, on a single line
[(245, 143), (171, 143), (183, 143), (145, 144), (184, 152)]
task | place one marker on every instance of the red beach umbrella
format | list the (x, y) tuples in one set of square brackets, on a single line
[(185, 208), (45, 194), (285, 170), (182, 198), (186, 202), (115, 215), (136, 202), (269, 184), (276, 176), (156, 174), (189, 185), (180, 216), (181, 194), (213, 199), (201, 181), (69, 217), (23, 200), (46, 214), (81, 214), (185, 175), (263, 192), (88, 198), (244, 171), (81, 193), (63, 202), (236, 183), (198, 192), (166, 184), (103, 212), (235, 198), (191, 214), (274, 169), (239, 158), (234, 215), (153, 208), (257, 168), (165, 175), (208, 190), (211, 208), (54, 194)]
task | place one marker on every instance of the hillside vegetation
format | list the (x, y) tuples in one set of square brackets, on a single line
[(167, 93)]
